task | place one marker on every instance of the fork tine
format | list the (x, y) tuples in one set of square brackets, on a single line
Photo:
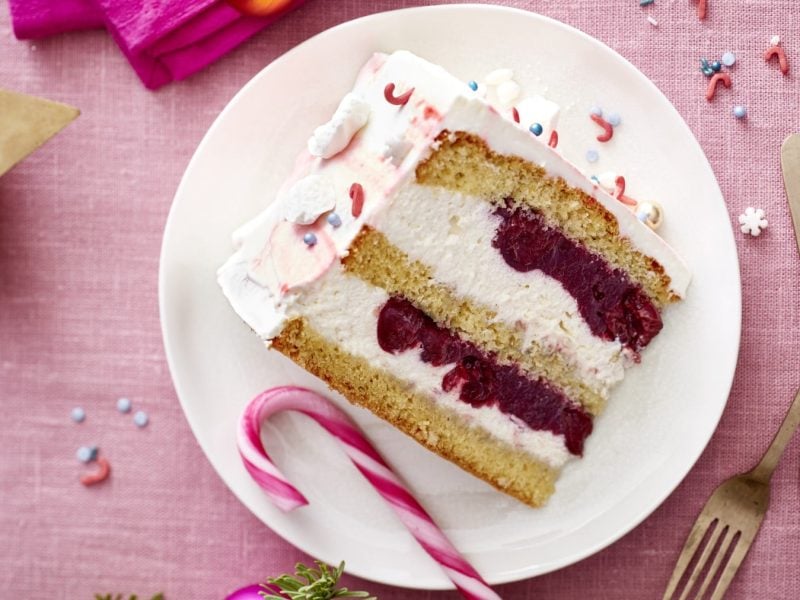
[(689, 548), (737, 556), (701, 562), (725, 542)]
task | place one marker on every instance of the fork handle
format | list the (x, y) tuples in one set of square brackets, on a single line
[(763, 472)]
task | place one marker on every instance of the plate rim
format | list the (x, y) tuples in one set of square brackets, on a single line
[(169, 226)]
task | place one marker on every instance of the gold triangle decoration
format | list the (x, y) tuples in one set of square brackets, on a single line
[(27, 122)]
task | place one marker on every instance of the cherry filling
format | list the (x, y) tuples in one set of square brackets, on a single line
[(612, 306), (479, 379)]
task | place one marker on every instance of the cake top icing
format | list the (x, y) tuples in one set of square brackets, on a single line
[(357, 160)]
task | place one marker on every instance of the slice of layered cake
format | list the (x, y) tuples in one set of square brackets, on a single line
[(441, 265)]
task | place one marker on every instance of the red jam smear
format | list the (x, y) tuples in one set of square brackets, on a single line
[(612, 306), (479, 379)]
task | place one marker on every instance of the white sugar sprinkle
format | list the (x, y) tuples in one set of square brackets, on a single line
[(652, 21)]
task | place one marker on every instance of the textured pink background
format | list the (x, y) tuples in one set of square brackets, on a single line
[(80, 231)]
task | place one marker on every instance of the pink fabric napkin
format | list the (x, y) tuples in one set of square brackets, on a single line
[(164, 40)]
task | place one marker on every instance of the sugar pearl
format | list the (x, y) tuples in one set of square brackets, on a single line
[(728, 59), (650, 213), (740, 112), (334, 220), (141, 419), (78, 414), (310, 239), (536, 129)]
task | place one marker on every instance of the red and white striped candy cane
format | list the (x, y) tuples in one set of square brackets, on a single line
[(367, 461)]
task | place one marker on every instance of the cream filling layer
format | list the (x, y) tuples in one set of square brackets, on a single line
[(344, 310), (452, 234)]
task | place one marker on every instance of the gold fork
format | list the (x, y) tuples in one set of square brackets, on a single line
[(730, 521)]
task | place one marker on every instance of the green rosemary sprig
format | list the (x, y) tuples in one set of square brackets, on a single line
[(317, 584)]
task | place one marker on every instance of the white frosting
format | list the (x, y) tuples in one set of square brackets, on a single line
[(344, 310), (536, 109), (308, 198), (608, 180), (507, 92), (533, 300), (439, 101), (499, 76), (334, 136)]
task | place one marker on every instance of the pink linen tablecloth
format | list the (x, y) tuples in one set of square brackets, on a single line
[(80, 232)]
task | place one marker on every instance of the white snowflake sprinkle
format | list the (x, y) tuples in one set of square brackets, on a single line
[(753, 221)]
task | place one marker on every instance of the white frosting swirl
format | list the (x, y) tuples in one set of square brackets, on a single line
[(308, 198), (334, 136)]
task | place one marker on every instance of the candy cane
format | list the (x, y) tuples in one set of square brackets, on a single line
[(367, 461)]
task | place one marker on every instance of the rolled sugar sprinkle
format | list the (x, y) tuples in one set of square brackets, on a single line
[(102, 473), (652, 21), (366, 459), (646, 2), (77, 414)]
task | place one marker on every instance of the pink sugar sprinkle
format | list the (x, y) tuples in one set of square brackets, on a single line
[(782, 60), (515, 114), (388, 93), (357, 196), (553, 141), (100, 475), (718, 78), (620, 189), (608, 129), (702, 9)]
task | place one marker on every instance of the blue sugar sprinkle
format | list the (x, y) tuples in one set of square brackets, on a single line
[(310, 239), (728, 59), (77, 414), (614, 119), (536, 129), (473, 85), (140, 418), (740, 112), (84, 454), (334, 220), (716, 66), (596, 111), (94, 450), (124, 405), (592, 156), (646, 2)]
